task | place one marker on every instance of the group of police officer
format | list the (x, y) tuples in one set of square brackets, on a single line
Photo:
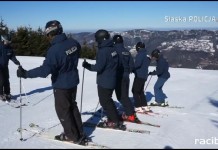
[(113, 65)]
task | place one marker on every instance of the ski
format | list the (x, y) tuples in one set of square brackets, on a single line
[(165, 105), (89, 144), (152, 114), (19, 105), (14, 104), (177, 107), (39, 130), (94, 125), (142, 122), (145, 123)]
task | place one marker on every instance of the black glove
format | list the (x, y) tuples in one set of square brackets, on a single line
[(86, 65), (21, 72), (17, 63), (152, 73)]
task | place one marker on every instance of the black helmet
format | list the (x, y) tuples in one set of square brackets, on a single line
[(6, 38), (101, 35), (139, 45), (53, 27), (155, 53), (117, 39)]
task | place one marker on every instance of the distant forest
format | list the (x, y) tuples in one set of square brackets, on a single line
[(29, 42)]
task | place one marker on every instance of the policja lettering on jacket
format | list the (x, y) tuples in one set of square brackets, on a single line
[(72, 50)]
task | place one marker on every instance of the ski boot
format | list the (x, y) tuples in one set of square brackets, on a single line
[(2, 97), (113, 125), (132, 118), (8, 97), (63, 137)]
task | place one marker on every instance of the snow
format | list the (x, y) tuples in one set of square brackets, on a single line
[(190, 45), (194, 126)]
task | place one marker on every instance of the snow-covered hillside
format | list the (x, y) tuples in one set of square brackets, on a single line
[(194, 126)]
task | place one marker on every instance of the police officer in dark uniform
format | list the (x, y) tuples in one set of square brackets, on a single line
[(125, 67), (142, 62), (61, 62), (6, 54), (106, 68)]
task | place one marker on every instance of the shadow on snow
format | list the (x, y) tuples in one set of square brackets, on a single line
[(40, 90)]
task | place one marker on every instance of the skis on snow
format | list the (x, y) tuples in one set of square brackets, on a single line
[(36, 129), (94, 125), (142, 122), (14, 103), (165, 105), (145, 123), (89, 143)]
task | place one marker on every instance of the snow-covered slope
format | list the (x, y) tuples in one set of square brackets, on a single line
[(194, 126)]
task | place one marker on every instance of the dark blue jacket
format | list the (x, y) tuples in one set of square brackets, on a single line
[(142, 62), (126, 63), (106, 65), (61, 61), (162, 69), (6, 53)]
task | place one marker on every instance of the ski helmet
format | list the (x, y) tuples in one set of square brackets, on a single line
[(101, 35), (53, 27), (139, 45), (155, 53), (117, 39), (6, 38)]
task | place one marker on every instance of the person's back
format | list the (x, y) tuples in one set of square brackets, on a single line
[(125, 67), (142, 63), (162, 68), (61, 62), (106, 68), (106, 65), (126, 63), (162, 71)]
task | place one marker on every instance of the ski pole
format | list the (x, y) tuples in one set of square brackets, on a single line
[(95, 110), (21, 138), (25, 92), (102, 111), (82, 89), (148, 83)]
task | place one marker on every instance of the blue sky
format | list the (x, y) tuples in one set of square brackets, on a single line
[(111, 15)]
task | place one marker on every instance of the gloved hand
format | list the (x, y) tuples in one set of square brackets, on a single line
[(17, 63), (86, 65), (21, 72), (149, 57), (152, 73)]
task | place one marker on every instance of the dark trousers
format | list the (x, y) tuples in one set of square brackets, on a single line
[(68, 112), (106, 101), (122, 93), (138, 92), (4, 81)]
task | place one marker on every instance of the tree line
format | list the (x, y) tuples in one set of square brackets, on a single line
[(28, 42)]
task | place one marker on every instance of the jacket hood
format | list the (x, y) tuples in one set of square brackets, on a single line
[(59, 38), (106, 43)]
